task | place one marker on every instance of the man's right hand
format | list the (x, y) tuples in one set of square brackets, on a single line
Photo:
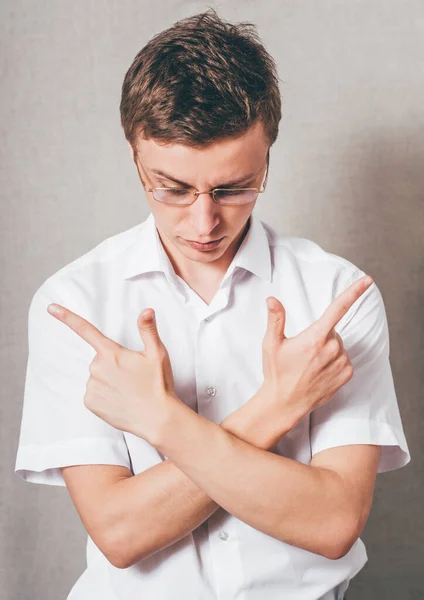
[(305, 371)]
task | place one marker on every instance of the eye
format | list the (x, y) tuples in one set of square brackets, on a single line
[(172, 187), (177, 191), (229, 191)]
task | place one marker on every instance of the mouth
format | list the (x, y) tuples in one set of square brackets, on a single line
[(207, 246)]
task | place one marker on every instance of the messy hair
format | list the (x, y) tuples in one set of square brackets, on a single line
[(199, 81)]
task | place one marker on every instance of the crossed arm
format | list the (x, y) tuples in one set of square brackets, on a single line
[(321, 507)]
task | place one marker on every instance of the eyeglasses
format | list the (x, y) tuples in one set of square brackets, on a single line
[(185, 196)]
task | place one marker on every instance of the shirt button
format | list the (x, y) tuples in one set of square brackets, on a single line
[(211, 391), (223, 535)]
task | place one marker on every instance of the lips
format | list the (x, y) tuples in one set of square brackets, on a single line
[(204, 243), (200, 246)]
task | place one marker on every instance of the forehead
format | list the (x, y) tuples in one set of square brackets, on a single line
[(224, 160)]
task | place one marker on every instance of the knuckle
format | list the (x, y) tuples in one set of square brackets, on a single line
[(333, 348), (317, 341), (91, 386), (338, 365), (347, 359), (339, 337), (87, 400), (349, 370), (94, 367)]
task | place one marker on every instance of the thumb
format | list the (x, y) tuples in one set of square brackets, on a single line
[(147, 328), (276, 319)]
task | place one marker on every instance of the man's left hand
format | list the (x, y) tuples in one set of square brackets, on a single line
[(130, 390)]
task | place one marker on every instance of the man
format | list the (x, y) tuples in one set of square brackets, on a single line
[(227, 447)]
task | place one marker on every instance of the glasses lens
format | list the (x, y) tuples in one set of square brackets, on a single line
[(222, 196), (234, 196), (173, 195)]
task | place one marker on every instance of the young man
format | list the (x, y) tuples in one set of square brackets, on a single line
[(227, 448)]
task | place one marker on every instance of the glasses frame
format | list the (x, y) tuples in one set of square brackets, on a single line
[(196, 193)]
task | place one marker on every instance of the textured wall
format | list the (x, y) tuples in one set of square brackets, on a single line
[(347, 171)]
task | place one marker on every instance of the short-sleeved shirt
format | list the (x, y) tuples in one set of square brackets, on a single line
[(216, 355)]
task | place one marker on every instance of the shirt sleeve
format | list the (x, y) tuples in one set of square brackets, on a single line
[(56, 428), (364, 410)]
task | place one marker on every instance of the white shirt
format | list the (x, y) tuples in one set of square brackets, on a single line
[(215, 352)]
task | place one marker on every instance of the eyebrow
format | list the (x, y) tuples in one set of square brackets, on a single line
[(222, 185)]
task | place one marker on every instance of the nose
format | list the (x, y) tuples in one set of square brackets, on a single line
[(204, 215)]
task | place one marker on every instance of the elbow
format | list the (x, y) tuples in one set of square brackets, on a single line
[(342, 543), (111, 548), (117, 553), (120, 560), (117, 562), (341, 534), (125, 561), (116, 556), (114, 549), (339, 551)]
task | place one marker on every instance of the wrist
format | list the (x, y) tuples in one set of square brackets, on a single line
[(165, 416), (260, 422)]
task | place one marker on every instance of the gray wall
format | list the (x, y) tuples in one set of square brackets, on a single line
[(347, 171)]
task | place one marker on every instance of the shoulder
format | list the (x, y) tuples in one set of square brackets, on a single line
[(309, 275), (304, 263), (305, 252), (105, 256), (91, 285), (92, 273)]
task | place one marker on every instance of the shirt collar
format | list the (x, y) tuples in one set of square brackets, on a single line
[(146, 254)]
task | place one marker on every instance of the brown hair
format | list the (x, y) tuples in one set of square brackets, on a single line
[(201, 80)]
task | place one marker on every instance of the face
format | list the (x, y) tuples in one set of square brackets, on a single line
[(203, 221)]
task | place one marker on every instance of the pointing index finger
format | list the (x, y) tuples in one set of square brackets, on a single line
[(86, 330), (339, 307)]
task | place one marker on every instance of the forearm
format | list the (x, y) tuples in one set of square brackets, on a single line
[(154, 509), (305, 506)]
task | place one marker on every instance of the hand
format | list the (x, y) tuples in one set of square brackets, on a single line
[(130, 390), (305, 371)]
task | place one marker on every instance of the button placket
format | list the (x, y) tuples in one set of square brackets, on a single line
[(227, 562)]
